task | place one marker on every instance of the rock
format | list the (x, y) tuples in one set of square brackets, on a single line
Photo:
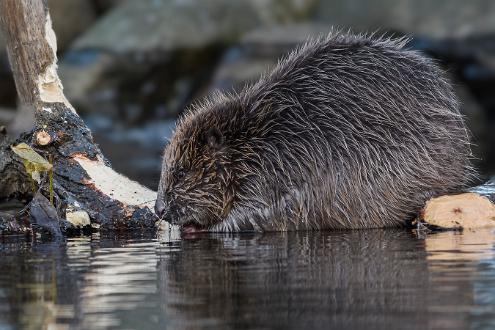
[(258, 51), (80, 72), (433, 19), (44, 216), (78, 219), (282, 38), (148, 26), (145, 59)]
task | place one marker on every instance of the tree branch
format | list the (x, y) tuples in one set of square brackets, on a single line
[(83, 178)]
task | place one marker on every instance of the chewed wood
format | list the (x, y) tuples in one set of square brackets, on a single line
[(463, 211), (60, 134)]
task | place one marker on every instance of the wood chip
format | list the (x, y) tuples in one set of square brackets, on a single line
[(464, 211)]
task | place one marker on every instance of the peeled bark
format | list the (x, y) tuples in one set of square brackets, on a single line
[(83, 179)]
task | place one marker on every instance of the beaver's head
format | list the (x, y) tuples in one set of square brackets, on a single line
[(197, 184)]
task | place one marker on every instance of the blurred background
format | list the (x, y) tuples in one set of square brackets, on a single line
[(131, 67)]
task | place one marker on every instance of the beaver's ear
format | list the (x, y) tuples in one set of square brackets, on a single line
[(214, 138)]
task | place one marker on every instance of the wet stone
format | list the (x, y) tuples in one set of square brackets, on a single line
[(44, 216)]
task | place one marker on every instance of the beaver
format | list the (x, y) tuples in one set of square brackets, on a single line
[(347, 131)]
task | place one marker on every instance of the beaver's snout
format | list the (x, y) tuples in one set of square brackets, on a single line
[(167, 212), (160, 208)]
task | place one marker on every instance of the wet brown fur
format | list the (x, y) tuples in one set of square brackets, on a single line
[(346, 132)]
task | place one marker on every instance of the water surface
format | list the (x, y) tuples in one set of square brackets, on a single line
[(376, 279)]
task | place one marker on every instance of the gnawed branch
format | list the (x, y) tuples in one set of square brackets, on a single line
[(84, 181)]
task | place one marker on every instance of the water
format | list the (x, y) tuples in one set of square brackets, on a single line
[(377, 279)]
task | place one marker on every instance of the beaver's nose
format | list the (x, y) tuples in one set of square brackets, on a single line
[(160, 208)]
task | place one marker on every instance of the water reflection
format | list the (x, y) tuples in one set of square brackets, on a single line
[(463, 266), (359, 279)]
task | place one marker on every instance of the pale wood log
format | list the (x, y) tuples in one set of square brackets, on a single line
[(474, 209)]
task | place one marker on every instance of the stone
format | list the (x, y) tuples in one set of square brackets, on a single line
[(258, 52), (144, 59), (44, 216), (78, 219), (159, 25), (433, 19), (70, 19)]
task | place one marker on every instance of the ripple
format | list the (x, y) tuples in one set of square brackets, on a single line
[(372, 279)]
